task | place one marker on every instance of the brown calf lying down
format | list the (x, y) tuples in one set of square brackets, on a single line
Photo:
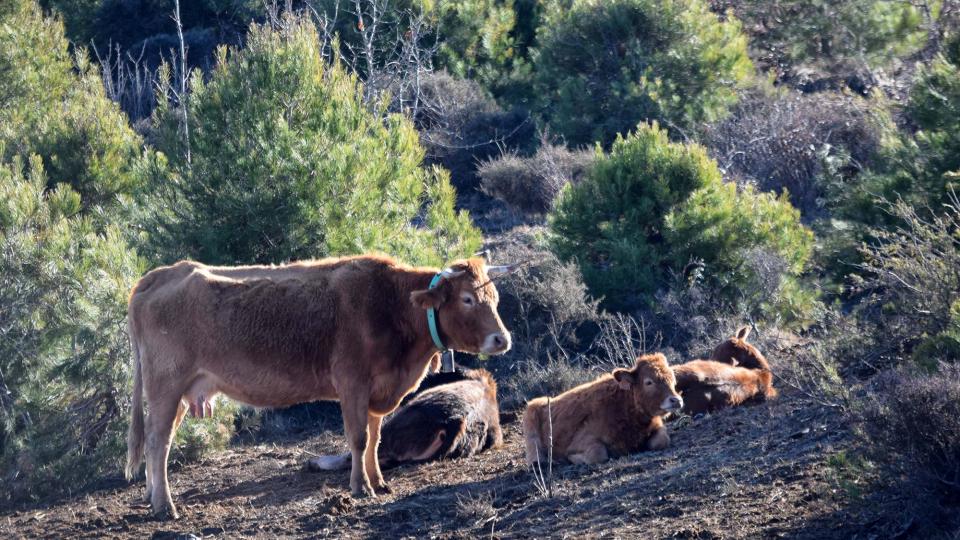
[(619, 413), (449, 420), (737, 373), (350, 329)]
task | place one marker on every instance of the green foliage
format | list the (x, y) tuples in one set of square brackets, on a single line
[(651, 207), (288, 162), (832, 31), (198, 437), (922, 169), (909, 283), (63, 349), (602, 67), (54, 106)]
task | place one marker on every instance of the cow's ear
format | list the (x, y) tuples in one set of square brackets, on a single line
[(625, 378), (743, 332), (428, 298)]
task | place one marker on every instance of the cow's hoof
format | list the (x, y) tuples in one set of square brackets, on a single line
[(165, 513), (384, 488), (363, 493)]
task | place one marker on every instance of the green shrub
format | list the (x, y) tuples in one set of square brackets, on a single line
[(650, 208), (909, 286), (830, 34), (603, 67), (198, 437), (919, 169), (63, 348), (54, 105), (288, 162)]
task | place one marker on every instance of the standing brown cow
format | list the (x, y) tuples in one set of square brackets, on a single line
[(455, 419), (351, 329), (736, 373), (617, 414)]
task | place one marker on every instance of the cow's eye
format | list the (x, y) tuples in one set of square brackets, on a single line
[(468, 300), (648, 382)]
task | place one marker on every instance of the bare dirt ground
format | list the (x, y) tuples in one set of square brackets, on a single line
[(751, 472)]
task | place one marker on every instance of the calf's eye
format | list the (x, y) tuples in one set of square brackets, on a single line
[(468, 300), (648, 382)]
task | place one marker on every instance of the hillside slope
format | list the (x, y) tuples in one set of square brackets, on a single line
[(751, 472)]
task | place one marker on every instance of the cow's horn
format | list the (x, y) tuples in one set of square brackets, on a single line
[(485, 254), (494, 271), (450, 273)]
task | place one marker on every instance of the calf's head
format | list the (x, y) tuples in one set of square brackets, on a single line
[(466, 301), (651, 384), (737, 352)]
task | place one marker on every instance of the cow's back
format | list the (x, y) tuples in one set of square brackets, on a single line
[(275, 326)]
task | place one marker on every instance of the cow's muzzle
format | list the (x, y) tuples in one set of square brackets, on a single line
[(496, 343), (672, 404)]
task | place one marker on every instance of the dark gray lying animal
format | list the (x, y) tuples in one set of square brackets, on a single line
[(450, 420)]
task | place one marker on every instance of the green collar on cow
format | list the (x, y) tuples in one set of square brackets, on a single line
[(432, 317)]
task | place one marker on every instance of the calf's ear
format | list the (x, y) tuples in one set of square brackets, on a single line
[(624, 377), (743, 332), (428, 298)]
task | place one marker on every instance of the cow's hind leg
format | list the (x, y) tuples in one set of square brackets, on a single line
[(181, 412), (596, 453), (587, 450), (355, 410), (164, 412), (371, 458)]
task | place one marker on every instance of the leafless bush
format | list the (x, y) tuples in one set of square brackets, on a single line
[(392, 49), (910, 283), (780, 140), (548, 310), (812, 366), (128, 80), (690, 317), (531, 184), (912, 423), (461, 126)]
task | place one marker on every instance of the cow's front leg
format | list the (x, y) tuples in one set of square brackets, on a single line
[(372, 458), (355, 409), (659, 439)]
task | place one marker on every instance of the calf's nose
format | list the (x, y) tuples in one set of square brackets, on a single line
[(676, 401)]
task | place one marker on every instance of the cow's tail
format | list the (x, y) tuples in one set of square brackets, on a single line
[(135, 434), (532, 436), (337, 462)]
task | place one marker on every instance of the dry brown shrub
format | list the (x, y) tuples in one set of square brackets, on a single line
[(530, 184), (787, 140)]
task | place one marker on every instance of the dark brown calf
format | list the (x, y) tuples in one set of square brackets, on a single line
[(450, 420)]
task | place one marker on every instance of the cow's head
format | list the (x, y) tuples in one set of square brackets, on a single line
[(651, 384), (465, 301), (737, 352)]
